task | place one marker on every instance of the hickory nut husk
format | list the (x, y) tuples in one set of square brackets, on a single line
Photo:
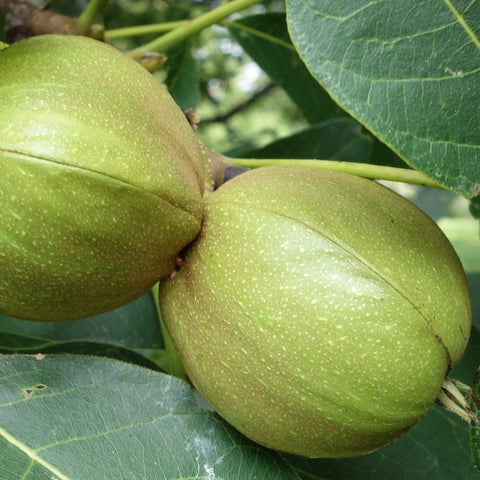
[(101, 179), (317, 312)]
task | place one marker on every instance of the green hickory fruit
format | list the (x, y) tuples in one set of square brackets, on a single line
[(101, 182), (317, 312)]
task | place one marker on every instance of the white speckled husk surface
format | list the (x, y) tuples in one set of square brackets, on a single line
[(317, 312), (101, 179)]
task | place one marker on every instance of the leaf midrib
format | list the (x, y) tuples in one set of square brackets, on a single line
[(31, 454), (461, 20)]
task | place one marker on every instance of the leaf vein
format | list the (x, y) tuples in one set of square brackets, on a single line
[(32, 454), (461, 20)]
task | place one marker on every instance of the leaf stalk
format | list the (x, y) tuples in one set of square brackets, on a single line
[(366, 170), (191, 28), (93, 13), (138, 30)]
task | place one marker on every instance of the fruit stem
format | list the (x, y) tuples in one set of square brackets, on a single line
[(175, 366), (451, 399), (94, 13), (138, 30), (191, 28), (366, 170)]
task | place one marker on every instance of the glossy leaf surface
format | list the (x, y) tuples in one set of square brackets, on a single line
[(409, 71), (72, 417)]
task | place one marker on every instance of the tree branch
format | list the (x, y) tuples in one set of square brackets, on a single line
[(241, 106), (23, 19)]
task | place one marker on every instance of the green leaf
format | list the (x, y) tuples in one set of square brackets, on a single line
[(465, 369), (182, 78), (436, 448), (474, 207), (336, 139), (409, 71), (475, 427), (134, 326), (73, 417), (152, 359), (265, 38), (474, 284)]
